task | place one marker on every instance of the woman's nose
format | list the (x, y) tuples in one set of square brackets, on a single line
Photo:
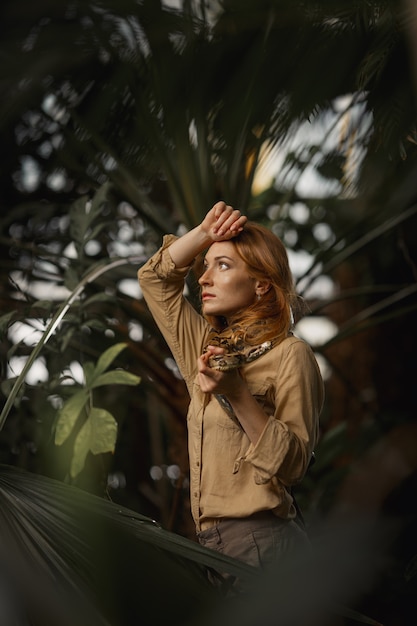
[(204, 278)]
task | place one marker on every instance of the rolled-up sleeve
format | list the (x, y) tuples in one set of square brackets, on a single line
[(287, 442), (161, 267)]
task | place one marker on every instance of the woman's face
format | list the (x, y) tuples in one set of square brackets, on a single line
[(226, 286)]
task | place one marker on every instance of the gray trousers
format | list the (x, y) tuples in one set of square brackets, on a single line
[(258, 540)]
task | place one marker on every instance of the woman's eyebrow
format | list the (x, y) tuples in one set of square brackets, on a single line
[(217, 259), (222, 256)]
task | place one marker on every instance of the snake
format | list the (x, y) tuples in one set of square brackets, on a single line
[(234, 360)]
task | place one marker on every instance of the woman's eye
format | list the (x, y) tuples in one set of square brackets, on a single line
[(223, 265)]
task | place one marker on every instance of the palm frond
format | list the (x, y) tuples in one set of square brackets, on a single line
[(69, 555), (101, 559)]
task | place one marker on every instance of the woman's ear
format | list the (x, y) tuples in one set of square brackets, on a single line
[(262, 287)]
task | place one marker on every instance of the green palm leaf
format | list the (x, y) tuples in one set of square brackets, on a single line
[(69, 556), (104, 562)]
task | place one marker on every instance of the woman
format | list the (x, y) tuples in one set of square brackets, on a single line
[(256, 390)]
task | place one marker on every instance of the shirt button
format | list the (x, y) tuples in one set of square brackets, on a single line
[(195, 494), (198, 463)]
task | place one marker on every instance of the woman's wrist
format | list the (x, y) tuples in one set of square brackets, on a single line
[(203, 237), (184, 250)]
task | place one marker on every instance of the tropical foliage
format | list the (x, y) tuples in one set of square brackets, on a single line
[(122, 121)]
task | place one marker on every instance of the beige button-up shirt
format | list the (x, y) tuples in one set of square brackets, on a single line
[(229, 476)]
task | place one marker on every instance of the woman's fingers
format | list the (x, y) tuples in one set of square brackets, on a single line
[(229, 221), (225, 215), (206, 376), (223, 222), (229, 225), (203, 363), (212, 380), (219, 209)]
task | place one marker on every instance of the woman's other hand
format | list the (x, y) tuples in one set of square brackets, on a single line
[(215, 381)]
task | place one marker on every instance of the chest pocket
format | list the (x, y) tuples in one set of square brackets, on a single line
[(263, 392)]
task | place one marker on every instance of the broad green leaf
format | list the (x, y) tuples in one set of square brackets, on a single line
[(98, 297), (116, 377), (81, 449), (103, 431), (69, 414), (88, 369), (107, 358), (97, 435)]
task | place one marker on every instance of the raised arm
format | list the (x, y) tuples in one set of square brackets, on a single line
[(221, 223)]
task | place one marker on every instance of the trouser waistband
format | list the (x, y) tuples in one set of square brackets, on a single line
[(215, 521)]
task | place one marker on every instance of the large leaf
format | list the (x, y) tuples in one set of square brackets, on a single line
[(103, 431), (69, 414), (116, 377), (70, 557), (89, 371), (97, 435), (108, 356)]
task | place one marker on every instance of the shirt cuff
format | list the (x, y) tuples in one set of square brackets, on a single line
[(267, 455), (162, 263)]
